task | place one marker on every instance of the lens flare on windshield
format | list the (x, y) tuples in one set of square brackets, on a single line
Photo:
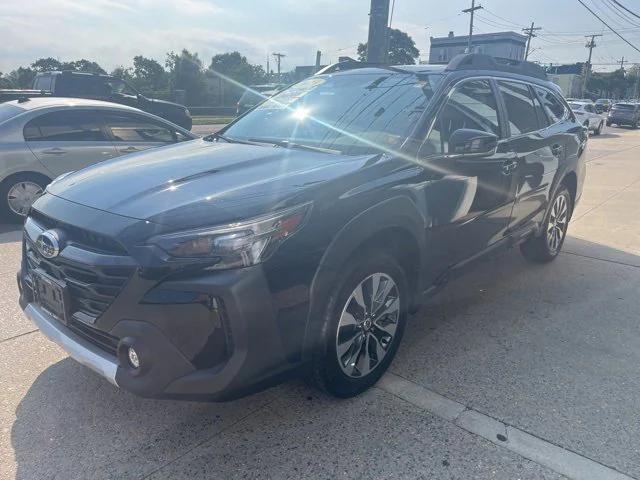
[(300, 113)]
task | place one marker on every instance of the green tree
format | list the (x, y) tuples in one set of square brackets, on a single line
[(46, 65), (402, 49), (51, 64), (185, 73), (235, 66), (21, 77), (148, 74), (5, 82)]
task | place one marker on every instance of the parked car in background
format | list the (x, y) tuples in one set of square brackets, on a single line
[(300, 237), (100, 87), (256, 94), (624, 113), (603, 105), (586, 114), (42, 138)]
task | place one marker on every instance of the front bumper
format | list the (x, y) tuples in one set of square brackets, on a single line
[(174, 359), (79, 349)]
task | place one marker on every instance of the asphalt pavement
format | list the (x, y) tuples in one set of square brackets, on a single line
[(512, 372)]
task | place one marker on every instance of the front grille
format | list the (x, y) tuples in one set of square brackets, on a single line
[(86, 239), (94, 284), (101, 339)]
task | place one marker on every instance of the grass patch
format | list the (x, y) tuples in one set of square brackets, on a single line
[(210, 119)]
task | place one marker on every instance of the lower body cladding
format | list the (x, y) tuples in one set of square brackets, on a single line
[(212, 336)]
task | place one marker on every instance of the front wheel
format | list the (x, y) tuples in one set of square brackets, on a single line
[(364, 321), (598, 130), (546, 246), (18, 193)]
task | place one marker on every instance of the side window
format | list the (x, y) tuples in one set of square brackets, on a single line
[(129, 128), (554, 107), (520, 108), (589, 108), (543, 120), (65, 126), (472, 104)]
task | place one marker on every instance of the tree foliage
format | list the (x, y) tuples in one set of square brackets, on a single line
[(236, 67), (402, 49), (185, 73)]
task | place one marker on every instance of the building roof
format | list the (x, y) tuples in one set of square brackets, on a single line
[(479, 38)]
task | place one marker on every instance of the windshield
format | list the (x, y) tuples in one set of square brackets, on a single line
[(120, 87), (353, 113)]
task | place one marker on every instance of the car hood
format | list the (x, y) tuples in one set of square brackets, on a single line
[(203, 183)]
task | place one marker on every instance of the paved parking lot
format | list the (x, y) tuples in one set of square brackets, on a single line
[(515, 371)]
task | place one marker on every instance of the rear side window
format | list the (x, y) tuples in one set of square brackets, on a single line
[(520, 108), (473, 105), (65, 126), (43, 83), (554, 107), (128, 128)]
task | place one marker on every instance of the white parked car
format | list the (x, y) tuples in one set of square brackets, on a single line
[(586, 113), (41, 138)]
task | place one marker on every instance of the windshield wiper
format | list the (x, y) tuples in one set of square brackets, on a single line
[(299, 146), (218, 136)]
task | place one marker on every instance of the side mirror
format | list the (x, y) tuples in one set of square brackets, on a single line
[(473, 143)]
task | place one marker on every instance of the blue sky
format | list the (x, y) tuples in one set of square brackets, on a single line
[(112, 32)]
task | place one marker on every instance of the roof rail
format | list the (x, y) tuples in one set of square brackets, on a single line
[(478, 61), (354, 64)]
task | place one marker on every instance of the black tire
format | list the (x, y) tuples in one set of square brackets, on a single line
[(609, 123), (539, 248), (6, 212), (598, 130), (327, 372)]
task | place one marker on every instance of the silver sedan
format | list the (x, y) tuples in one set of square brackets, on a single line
[(41, 138)]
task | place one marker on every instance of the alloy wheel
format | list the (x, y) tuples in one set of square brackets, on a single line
[(557, 225), (368, 325), (21, 196)]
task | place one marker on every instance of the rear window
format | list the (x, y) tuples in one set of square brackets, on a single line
[(520, 108), (576, 106), (552, 106), (9, 111), (42, 83)]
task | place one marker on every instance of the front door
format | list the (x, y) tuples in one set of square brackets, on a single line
[(469, 199), (68, 140)]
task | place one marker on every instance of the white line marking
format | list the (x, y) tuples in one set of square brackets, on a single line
[(558, 459)]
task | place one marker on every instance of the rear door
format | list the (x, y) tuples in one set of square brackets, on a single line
[(132, 132), (537, 147), (68, 140)]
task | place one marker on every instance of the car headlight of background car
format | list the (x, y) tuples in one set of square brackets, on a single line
[(239, 244)]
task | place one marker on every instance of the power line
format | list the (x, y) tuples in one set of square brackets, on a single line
[(471, 11), (622, 6), (607, 25), (529, 31)]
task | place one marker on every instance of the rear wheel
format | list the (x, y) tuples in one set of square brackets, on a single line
[(364, 322), (598, 130), (546, 246), (18, 193)]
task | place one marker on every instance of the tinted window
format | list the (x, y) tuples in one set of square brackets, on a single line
[(472, 104), (624, 106), (42, 83), (520, 108), (543, 121), (554, 107), (357, 112), (133, 128), (65, 126), (589, 108)]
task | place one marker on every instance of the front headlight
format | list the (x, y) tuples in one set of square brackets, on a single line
[(239, 244)]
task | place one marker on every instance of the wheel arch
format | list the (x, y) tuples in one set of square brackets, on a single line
[(395, 226)]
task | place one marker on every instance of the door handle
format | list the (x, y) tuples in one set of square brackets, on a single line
[(508, 166), (130, 149), (54, 151), (556, 150)]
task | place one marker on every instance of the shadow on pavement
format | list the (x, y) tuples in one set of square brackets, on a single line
[(73, 424)]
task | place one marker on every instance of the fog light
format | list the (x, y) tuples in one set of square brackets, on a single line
[(133, 357)]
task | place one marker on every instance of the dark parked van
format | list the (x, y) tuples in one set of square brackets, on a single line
[(300, 237)]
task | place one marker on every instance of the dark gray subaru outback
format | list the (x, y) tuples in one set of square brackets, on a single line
[(298, 238)]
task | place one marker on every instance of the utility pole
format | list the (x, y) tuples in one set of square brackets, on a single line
[(279, 57), (635, 85), (529, 32), (268, 71), (622, 60), (471, 10), (318, 60), (591, 44), (377, 43)]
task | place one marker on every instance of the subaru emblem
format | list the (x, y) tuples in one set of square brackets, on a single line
[(48, 243)]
